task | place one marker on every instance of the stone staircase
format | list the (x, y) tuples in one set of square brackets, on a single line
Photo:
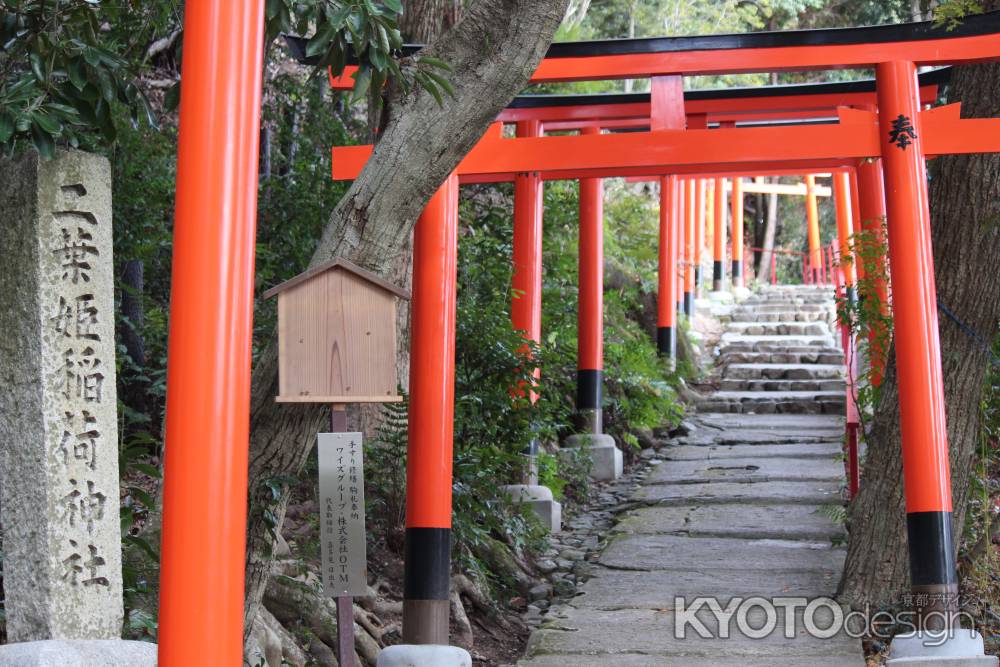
[(780, 353), (734, 506)]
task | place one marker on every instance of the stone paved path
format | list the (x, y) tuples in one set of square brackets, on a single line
[(733, 509)]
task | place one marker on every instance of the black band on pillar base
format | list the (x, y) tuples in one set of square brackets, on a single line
[(737, 269), (588, 389), (717, 273), (688, 304), (666, 341), (697, 276), (932, 551), (852, 295), (427, 564)]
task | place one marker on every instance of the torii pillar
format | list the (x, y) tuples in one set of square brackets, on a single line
[(812, 230), (926, 471), (737, 205), (666, 324), (526, 316), (427, 557), (607, 461), (871, 210), (719, 236)]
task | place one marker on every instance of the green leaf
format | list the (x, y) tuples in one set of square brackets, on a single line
[(37, 68), (273, 8), (430, 86), (47, 123), (320, 42), (43, 141), (6, 128), (435, 62), (148, 469), (172, 99), (77, 74), (443, 82), (395, 5), (362, 80)]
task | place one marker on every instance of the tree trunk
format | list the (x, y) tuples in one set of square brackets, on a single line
[(423, 20), (493, 51), (770, 230), (964, 192)]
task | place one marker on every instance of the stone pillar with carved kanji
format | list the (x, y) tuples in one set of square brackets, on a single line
[(59, 487)]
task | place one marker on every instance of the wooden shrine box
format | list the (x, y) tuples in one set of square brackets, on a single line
[(336, 336)]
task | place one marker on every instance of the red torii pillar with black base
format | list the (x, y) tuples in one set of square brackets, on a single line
[(666, 325), (526, 305), (719, 236), (606, 458), (590, 314), (701, 219), (737, 204), (427, 559), (690, 240), (926, 473)]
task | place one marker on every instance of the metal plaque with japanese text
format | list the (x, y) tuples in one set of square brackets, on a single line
[(342, 514)]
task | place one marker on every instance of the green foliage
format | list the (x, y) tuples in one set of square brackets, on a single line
[(364, 30), (385, 474), (868, 316), (951, 12), (62, 74)]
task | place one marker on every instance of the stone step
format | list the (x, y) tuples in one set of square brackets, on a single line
[(795, 357), (738, 384), (721, 493), (784, 371), (778, 308), (779, 328), (592, 637), (784, 402), (765, 343), (646, 552), (784, 316), (717, 452), (734, 428), (750, 470), (774, 522)]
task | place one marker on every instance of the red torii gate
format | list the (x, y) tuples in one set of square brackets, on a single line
[(208, 379)]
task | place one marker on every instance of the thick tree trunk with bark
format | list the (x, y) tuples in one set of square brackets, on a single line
[(493, 50), (965, 215), (424, 20)]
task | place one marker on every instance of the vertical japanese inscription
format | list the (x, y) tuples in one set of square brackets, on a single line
[(77, 325), (342, 514), (62, 537)]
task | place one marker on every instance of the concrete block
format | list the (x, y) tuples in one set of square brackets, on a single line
[(607, 458), (961, 648), (541, 501), (426, 655), (79, 653)]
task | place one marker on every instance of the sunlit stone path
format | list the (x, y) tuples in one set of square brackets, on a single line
[(738, 507)]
